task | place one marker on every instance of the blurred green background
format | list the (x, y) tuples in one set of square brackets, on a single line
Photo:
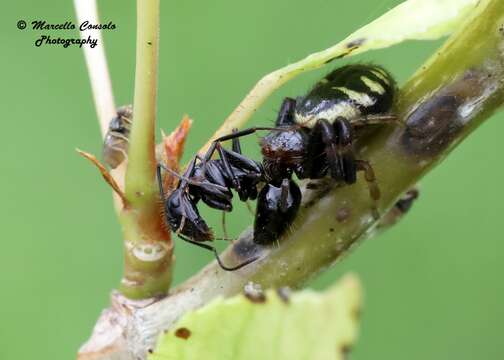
[(433, 283)]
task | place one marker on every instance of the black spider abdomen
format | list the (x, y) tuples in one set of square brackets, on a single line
[(349, 91)]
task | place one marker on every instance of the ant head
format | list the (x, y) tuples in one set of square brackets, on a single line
[(183, 217)]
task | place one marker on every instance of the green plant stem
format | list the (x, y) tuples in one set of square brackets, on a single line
[(140, 185), (452, 94), (147, 244)]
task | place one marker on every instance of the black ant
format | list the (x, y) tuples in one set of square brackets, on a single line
[(211, 181), (313, 138)]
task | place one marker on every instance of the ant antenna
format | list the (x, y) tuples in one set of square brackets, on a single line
[(216, 254), (189, 181), (224, 228)]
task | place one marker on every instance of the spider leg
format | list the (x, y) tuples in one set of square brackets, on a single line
[(286, 114), (374, 119), (374, 190), (324, 132)]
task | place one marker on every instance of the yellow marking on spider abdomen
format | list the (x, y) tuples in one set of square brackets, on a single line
[(381, 75), (357, 97), (374, 86), (344, 109)]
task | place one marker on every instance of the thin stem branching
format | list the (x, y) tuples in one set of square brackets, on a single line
[(449, 97)]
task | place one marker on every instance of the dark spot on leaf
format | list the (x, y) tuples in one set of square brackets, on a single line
[(149, 42), (342, 214), (337, 57), (331, 229), (357, 313), (183, 333), (351, 46), (150, 351), (284, 294), (355, 43), (345, 350)]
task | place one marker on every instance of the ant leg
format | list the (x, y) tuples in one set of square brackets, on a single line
[(186, 180), (285, 117), (216, 254), (233, 162), (374, 190), (224, 228), (236, 147), (238, 134), (233, 135), (228, 168)]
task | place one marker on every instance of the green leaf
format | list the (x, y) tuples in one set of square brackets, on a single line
[(410, 20), (305, 325)]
